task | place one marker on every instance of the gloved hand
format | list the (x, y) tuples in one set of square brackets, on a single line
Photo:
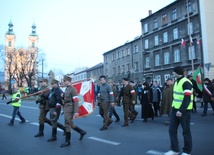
[(9, 102), (37, 101)]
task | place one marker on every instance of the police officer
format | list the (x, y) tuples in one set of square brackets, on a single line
[(16, 103), (129, 96), (181, 112), (54, 103), (71, 110), (44, 108)]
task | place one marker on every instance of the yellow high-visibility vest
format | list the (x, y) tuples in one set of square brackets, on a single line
[(178, 94), (16, 104)]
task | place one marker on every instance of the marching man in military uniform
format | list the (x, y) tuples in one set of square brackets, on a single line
[(106, 99), (44, 107), (54, 103), (129, 96), (71, 110)]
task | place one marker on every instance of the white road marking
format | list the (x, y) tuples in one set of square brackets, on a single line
[(11, 117), (104, 141), (154, 152)]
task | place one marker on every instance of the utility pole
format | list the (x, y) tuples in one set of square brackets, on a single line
[(190, 37)]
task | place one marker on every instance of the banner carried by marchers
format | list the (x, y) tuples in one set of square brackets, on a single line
[(85, 91), (197, 76)]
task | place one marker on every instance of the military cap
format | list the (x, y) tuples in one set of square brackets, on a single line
[(169, 79), (131, 81), (43, 80), (66, 78), (54, 81), (53, 117), (125, 79)]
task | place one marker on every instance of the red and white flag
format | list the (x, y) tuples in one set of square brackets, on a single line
[(199, 41), (85, 91), (183, 42)]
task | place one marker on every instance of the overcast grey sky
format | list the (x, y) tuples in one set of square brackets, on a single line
[(75, 33)]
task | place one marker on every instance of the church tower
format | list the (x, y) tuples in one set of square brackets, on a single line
[(10, 37), (33, 38), (9, 45)]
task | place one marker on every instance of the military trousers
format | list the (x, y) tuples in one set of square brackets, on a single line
[(127, 113), (68, 116), (103, 111), (42, 115)]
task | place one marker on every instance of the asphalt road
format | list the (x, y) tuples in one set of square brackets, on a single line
[(138, 138)]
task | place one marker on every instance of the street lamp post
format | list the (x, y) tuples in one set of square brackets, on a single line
[(190, 37)]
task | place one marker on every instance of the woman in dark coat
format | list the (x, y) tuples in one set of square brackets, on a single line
[(146, 110)]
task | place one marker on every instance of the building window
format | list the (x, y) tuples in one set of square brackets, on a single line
[(123, 68), (177, 57), (128, 67), (128, 51), (190, 28), (136, 49), (156, 40), (191, 52), (123, 53), (174, 14), (9, 43), (165, 37), (118, 69), (146, 44), (166, 58), (155, 23), (164, 19), (189, 7), (106, 72), (157, 60), (33, 44), (113, 57), (145, 27), (175, 33), (114, 71), (106, 59), (147, 63), (136, 66), (118, 55)]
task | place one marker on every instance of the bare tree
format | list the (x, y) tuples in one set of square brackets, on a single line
[(22, 65)]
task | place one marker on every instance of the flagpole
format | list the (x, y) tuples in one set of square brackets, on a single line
[(190, 38)]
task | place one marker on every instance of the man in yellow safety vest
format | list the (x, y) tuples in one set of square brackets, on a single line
[(16, 103), (181, 112)]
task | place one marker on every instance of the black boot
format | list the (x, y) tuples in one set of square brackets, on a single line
[(53, 138), (41, 129), (62, 127), (67, 139), (82, 132)]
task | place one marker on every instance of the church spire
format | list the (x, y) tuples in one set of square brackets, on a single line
[(33, 33), (33, 37), (10, 29)]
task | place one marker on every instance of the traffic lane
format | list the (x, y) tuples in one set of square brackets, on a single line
[(140, 137)]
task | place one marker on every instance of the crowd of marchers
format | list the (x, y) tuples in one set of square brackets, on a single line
[(177, 99), (156, 100)]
